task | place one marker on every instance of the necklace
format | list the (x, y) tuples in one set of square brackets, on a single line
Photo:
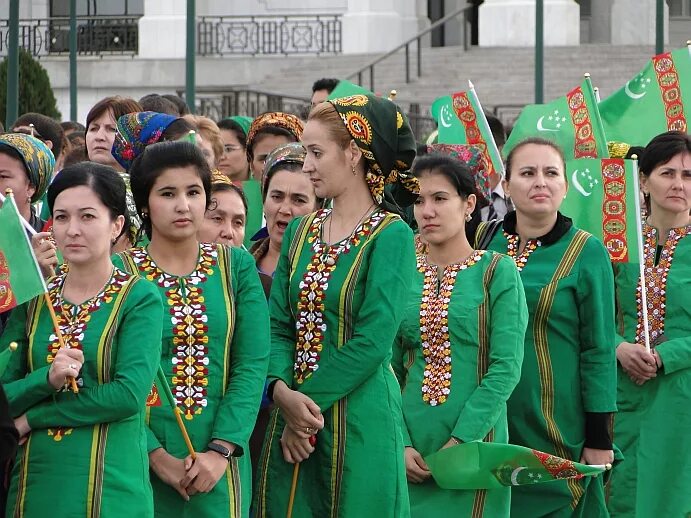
[(359, 222)]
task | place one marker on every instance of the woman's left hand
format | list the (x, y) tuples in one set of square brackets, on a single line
[(295, 447), (23, 428), (592, 456), (204, 472)]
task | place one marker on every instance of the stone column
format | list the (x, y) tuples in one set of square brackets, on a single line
[(600, 21), (162, 29), (374, 26), (633, 22), (511, 23)]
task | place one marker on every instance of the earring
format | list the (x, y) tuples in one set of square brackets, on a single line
[(468, 216), (353, 169)]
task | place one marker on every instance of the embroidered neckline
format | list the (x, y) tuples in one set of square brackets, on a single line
[(434, 326), (512, 249), (187, 309), (309, 323), (656, 280)]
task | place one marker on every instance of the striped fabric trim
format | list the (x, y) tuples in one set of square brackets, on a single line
[(297, 244), (479, 503), (234, 489), (22, 475), (264, 463), (225, 267), (544, 307)]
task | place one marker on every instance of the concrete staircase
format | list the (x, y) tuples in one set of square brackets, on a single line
[(502, 76)]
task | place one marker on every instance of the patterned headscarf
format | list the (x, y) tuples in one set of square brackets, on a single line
[(291, 153), (474, 158), (384, 136), (286, 121), (137, 130), (38, 160), (218, 178)]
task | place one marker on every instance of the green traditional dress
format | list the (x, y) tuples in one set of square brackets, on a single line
[(215, 353), (568, 379), (86, 453), (458, 357), (653, 425), (335, 311)]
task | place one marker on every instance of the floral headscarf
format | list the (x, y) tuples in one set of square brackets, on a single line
[(291, 153), (474, 158), (137, 130), (286, 121), (384, 136), (38, 160)]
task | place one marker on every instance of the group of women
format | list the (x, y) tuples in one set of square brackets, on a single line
[(371, 354)]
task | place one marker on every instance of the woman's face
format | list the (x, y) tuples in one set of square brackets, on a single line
[(327, 163), (99, 140), (224, 221), (13, 176), (82, 225), (208, 151), (233, 163), (288, 195), (537, 184), (439, 210), (263, 145), (177, 203), (669, 186)]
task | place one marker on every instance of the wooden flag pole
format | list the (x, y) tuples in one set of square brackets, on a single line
[(294, 484), (165, 388), (641, 257)]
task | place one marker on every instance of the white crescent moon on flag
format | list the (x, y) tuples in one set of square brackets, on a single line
[(540, 127), (514, 475), (631, 94), (442, 116), (577, 185)]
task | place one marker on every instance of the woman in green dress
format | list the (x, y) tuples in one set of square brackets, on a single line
[(84, 454), (564, 401), (653, 423), (335, 310), (215, 339), (460, 346)]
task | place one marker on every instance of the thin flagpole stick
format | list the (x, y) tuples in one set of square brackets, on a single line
[(596, 91), (162, 384), (641, 257), (25, 223), (293, 487)]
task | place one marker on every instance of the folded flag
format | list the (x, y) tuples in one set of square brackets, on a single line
[(602, 200), (461, 120), (345, 88), (5, 357), (573, 122), (20, 275), (652, 102), (487, 465)]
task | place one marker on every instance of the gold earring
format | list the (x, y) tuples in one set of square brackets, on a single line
[(353, 169), (468, 216)]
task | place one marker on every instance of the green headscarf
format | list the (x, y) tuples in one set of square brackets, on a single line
[(242, 121), (38, 160)]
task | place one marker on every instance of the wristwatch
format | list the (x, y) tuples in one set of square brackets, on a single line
[(221, 450)]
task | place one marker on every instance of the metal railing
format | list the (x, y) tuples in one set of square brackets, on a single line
[(358, 74), (283, 35), (217, 103), (95, 35)]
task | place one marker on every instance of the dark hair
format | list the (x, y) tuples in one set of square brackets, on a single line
[(456, 172), (70, 126), (325, 83), (231, 125), (293, 167), (229, 187), (157, 158), (660, 150), (103, 180), (46, 129), (269, 130), (177, 129), (156, 103), (179, 103), (75, 156), (539, 142), (116, 105), (497, 129), (635, 150)]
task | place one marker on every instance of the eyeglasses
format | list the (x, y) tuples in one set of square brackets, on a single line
[(229, 149)]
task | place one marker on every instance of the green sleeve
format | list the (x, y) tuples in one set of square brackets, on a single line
[(388, 276), (282, 322), (23, 388), (675, 354), (398, 356), (595, 294), (507, 322), (137, 357), (249, 355)]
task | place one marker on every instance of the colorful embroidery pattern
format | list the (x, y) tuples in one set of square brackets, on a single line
[(559, 468), (512, 249), (187, 310), (73, 321), (614, 225), (584, 145), (309, 323), (434, 326), (668, 81), (656, 281)]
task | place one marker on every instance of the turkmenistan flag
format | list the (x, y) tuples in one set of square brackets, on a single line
[(652, 102), (603, 200), (5, 357), (572, 121), (487, 465), (20, 275), (345, 88), (460, 120)]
